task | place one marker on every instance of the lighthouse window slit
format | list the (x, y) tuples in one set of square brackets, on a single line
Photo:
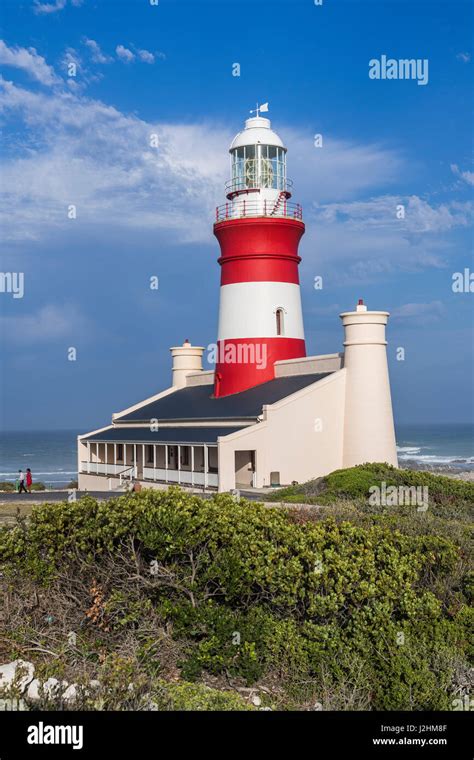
[(279, 322)]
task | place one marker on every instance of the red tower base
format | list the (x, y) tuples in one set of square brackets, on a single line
[(247, 362)]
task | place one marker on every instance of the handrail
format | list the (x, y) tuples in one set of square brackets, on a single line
[(277, 208), (125, 471)]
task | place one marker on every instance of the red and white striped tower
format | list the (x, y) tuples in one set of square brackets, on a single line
[(258, 229)]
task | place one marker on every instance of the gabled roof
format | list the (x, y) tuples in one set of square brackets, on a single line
[(197, 402)]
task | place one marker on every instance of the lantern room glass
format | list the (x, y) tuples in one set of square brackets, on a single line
[(258, 166)]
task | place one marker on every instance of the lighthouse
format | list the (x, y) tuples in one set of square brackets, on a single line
[(268, 414), (258, 229)]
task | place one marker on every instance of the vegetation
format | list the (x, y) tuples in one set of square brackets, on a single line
[(8, 486), (446, 494), (200, 604)]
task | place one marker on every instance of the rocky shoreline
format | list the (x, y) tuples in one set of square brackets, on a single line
[(450, 470)]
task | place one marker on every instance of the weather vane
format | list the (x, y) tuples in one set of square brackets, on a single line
[(260, 109)]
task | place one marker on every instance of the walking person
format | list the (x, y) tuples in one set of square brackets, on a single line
[(29, 480), (21, 481)]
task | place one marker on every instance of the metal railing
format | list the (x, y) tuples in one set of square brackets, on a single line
[(278, 208), (184, 477), (100, 468)]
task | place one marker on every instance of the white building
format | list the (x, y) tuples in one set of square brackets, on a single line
[(269, 414)]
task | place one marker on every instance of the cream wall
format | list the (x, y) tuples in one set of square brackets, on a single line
[(369, 432), (301, 436)]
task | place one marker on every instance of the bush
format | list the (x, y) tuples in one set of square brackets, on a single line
[(38, 486), (353, 616), (9, 487), (354, 483)]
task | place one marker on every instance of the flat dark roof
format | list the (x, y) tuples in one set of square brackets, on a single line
[(178, 435), (197, 403)]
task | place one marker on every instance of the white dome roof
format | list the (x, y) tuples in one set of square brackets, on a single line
[(257, 130)]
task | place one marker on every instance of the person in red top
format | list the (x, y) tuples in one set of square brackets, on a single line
[(29, 479)]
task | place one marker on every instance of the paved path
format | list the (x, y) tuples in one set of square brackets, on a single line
[(39, 497)]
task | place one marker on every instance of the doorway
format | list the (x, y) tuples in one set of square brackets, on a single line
[(245, 469)]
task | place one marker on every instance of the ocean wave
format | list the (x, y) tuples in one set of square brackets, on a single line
[(409, 449), (436, 458)]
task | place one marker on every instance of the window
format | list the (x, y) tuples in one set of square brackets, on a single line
[(149, 455), (120, 452), (279, 321), (185, 455)]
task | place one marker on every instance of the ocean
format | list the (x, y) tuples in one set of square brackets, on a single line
[(448, 445), (52, 458)]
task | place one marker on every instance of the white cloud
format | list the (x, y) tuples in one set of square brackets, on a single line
[(381, 213), (467, 176), (53, 7), (57, 5), (464, 57), (146, 56), (85, 152), (49, 323), (420, 313), (96, 53), (29, 61), (124, 54), (99, 159), (364, 241)]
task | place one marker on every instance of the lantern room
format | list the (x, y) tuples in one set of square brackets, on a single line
[(258, 158)]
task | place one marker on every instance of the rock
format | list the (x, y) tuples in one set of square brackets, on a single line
[(33, 689), (70, 695), (8, 674), (49, 689), (52, 686), (256, 700)]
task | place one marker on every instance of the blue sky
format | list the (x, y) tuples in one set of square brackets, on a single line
[(144, 211)]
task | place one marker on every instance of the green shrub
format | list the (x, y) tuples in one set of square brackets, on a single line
[(356, 616), (191, 696), (354, 483)]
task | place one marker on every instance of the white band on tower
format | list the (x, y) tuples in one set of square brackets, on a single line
[(248, 310)]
